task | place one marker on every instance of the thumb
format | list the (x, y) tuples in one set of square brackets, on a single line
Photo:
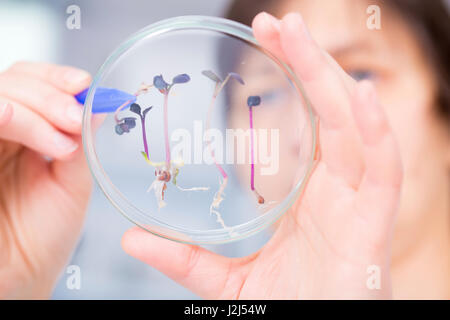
[(205, 273)]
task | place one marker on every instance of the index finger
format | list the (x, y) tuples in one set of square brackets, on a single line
[(323, 84), (326, 86), (68, 79)]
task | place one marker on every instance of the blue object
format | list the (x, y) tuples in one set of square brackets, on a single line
[(254, 101), (106, 100)]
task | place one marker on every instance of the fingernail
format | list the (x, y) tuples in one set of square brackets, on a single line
[(64, 144), (76, 76), (274, 22), (75, 113)]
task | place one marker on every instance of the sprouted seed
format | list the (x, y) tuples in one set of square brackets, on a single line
[(219, 195), (253, 101), (169, 169)]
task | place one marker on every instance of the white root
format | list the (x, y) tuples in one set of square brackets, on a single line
[(158, 187), (218, 198), (176, 165), (266, 205), (192, 189), (218, 217)]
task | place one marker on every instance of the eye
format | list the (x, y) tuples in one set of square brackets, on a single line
[(360, 75)]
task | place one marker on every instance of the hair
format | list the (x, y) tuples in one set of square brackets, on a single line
[(429, 19)]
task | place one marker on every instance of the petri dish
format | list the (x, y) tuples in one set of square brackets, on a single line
[(214, 138)]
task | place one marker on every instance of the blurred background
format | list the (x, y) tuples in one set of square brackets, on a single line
[(36, 30)]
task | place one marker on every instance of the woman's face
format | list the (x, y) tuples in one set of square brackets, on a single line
[(393, 59)]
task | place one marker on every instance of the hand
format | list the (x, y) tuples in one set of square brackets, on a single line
[(42, 202), (344, 220)]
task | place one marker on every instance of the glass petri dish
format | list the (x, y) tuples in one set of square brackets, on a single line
[(214, 140)]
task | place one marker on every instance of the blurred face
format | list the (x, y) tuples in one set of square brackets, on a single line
[(392, 58)]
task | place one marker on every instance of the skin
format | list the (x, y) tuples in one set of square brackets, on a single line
[(42, 203), (343, 222)]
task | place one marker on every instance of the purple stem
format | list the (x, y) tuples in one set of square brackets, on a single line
[(166, 129), (208, 125), (252, 176), (119, 109), (224, 174), (144, 136)]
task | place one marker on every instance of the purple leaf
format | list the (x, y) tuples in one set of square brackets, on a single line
[(125, 127), (181, 78), (144, 113), (159, 83), (211, 75), (130, 122), (135, 108), (253, 101), (237, 77), (119, 129)]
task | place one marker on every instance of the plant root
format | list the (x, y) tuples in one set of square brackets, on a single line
[(218, 198)]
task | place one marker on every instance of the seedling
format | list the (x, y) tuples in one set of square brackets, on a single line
[(171, 169), (126, 124), (218, 197), (253, 101), (135, 108), (164, 88), (165, 170)]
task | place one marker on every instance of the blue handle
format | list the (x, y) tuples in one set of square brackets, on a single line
[(106, 100)]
